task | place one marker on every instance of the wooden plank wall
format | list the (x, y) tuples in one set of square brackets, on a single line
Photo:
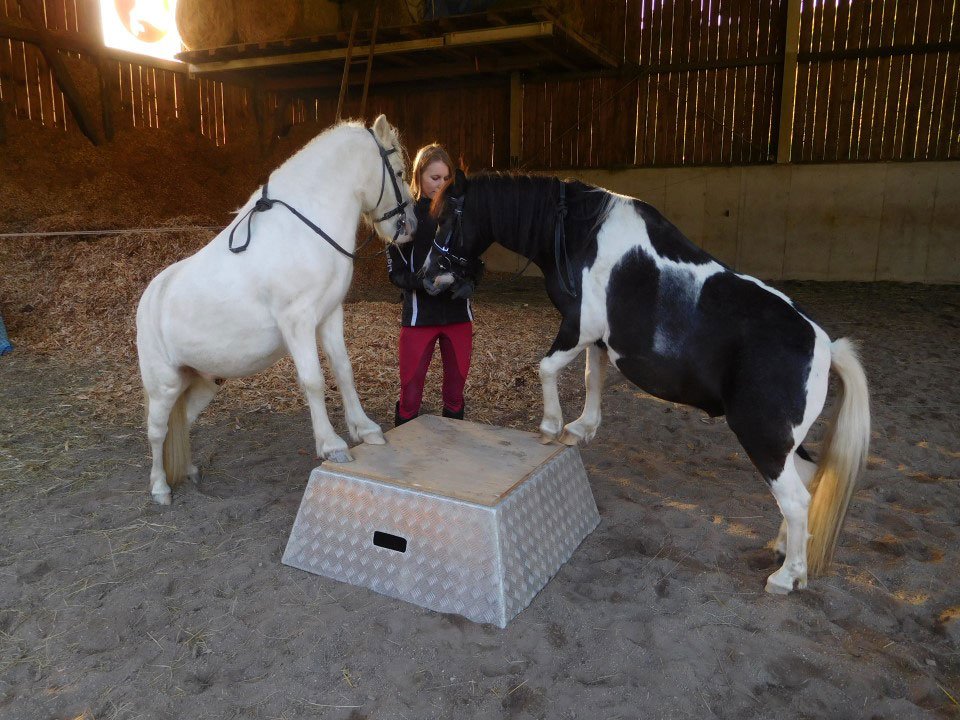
[(700, 87), (142, 96), (886, 101), (472, 122)]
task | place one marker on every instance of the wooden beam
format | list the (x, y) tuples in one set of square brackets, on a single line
[(71, 42), (480, 36), (314, 56), (881, 51), (60, 72), (555, 55), (391, 76), (450, 40), (788, 90)]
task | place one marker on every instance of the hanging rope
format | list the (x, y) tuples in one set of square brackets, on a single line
[(127, 231)]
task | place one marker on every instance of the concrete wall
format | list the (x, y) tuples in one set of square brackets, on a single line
[(870, 221)]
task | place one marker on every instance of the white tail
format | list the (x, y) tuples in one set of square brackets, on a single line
[(843, 458)]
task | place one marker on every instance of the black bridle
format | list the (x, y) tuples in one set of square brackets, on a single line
[(447, 261), (264, 203)]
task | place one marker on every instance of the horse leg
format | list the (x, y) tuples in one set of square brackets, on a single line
[(768, 433), (300, 339), (794, 501), (165, 415), (199, 395), (582, 430), (806, 470), (331, 337), (554, 362)]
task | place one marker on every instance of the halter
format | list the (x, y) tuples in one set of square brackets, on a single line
[(401, 203), (565, 276), (447, 259), (264, 203)]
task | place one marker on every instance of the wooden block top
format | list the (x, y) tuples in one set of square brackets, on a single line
[(455, 458)]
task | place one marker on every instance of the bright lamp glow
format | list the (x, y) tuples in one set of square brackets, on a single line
[(147, 27)]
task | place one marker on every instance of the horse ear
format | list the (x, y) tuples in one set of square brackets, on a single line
[(382, 129)]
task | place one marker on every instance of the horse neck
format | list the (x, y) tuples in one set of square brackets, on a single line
[(517, 212), (326, 174)]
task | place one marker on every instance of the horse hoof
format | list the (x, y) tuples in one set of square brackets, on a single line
[(374, 438), (776, 589), (547, 438), (161, 498), (775, 585), (571, 439), (338, 456)]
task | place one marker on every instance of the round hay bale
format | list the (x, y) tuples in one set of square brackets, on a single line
[(320, 17), (205, 23), (260, 21), (393, 13)]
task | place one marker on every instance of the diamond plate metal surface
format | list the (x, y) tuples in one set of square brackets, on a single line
[(483, 562), (540, 526)]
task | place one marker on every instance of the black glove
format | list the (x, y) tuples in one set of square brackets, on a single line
[(462, 289)]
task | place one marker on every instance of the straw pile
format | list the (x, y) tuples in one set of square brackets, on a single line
[(57, 181), (259, 21), (206, 23), (76, 301)]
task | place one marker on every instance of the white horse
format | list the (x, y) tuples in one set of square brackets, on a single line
[(231, 311)]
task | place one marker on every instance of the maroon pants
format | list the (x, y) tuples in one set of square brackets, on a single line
[(416, 351)]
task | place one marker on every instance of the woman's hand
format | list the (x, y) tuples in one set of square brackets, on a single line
[(439, 283), (462, 289)]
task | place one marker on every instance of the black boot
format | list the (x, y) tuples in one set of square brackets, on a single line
[(455, 415), (397, 420)]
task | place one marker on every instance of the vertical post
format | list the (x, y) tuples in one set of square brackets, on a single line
[(346, 66), (373, 45), (516, 117), (106, 112), (191, 102), (788, 93)]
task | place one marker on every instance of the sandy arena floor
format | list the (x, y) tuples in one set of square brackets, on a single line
[(113, 607)]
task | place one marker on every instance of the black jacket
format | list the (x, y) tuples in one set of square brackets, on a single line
[(404, 261)]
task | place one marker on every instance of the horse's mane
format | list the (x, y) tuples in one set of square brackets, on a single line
[(349, 123), (519, 210)]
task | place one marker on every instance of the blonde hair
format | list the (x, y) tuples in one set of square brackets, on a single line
[(426, 155)]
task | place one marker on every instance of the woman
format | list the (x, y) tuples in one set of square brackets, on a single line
[(430, 316)]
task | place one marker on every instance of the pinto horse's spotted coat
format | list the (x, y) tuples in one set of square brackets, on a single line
[(683, 327)]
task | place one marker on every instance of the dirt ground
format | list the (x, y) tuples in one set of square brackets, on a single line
[(113, 607)]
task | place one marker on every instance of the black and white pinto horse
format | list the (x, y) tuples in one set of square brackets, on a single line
[(683, 327)]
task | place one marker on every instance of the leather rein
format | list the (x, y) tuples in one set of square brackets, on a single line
[(264, 203)]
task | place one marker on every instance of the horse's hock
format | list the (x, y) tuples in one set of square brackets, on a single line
[(454, 516)]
